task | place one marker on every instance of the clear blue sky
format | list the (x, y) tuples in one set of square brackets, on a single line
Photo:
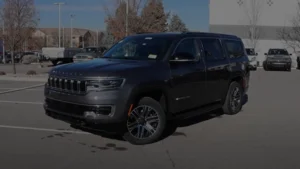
[(90, 13)]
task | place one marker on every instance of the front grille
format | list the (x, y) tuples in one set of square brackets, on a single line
[(75, 109), (67, 85)]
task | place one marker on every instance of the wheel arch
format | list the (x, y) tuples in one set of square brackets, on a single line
[(157, 92)]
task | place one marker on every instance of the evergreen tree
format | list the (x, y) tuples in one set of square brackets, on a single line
[(177, 25), (153, 17)]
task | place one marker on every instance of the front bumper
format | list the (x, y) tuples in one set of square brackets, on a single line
[(284, 65), (92, 108)]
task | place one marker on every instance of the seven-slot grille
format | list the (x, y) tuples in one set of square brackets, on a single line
[(68, 85)]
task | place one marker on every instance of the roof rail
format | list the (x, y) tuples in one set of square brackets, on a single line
[(189, 32), (143, 32)]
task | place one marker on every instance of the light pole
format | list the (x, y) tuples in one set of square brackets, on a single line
[(71, 38), (3, 41), (59, 6), (97, 37), (127, 10), (63, 37)]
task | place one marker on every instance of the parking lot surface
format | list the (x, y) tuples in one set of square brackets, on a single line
[(265, 135)]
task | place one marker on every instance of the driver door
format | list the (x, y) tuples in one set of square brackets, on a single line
[(188, 76)]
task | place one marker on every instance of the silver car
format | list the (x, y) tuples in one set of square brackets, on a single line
[(81, 57)]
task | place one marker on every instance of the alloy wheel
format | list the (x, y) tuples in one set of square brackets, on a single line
[(235, 99), (143, 122)]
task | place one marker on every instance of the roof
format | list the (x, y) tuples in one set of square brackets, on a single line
[(198, 34)]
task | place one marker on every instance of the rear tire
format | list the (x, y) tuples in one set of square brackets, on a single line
[(145, 127), (265, 67), (233, 102)]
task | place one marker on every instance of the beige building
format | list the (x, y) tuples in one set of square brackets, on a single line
[(48, 37)]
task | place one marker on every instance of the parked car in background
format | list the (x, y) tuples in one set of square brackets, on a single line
[(298, 62), (278, 59), (252, 58), (298, 59), (80, 57), (19, 56), (98, 50), (5, 58)]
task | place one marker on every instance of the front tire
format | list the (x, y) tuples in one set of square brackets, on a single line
[(233, 102), (146, 122), (266, 67)]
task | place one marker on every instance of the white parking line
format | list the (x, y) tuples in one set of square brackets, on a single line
[(20, 102), (24, 88), (43, 129)]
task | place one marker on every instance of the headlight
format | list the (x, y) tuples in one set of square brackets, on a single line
[(253, 59), (104, 84)]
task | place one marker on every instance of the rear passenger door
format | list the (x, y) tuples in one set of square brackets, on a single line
[(188, 76), (217, 67)]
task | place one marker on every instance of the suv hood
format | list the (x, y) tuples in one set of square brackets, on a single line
[(100, 67)]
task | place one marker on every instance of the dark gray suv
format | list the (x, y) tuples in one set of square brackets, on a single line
[(146, 80)]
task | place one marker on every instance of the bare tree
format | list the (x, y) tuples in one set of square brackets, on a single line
[(290, 36), (54, 38), (20, 20), (116, 20), (37, 43), (253, 10)]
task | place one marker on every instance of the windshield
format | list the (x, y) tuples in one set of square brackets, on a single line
[(140, 48), (278, 52), (250, 52)]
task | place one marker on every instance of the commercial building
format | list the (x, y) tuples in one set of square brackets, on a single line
[(235, 16)]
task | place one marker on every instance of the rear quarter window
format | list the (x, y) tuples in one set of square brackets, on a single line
[(235, 49), (212, 49)]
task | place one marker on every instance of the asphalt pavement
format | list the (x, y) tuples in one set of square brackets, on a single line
[(23, 69), (265, 135)]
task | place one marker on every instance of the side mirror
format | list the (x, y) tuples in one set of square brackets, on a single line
[(256, 54), (290, 54), (266, 54)]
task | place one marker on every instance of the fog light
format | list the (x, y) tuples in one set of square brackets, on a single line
[(90, 115)]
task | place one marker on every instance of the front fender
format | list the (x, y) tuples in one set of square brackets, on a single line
[(149, 89)]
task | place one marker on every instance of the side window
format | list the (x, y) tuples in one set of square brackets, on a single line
[(185, 50), (234, 48), (212, 49)]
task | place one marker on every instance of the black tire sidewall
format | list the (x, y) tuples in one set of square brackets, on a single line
[(227, 107), (160, 130)]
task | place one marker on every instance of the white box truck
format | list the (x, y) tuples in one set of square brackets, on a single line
[(64, 55)]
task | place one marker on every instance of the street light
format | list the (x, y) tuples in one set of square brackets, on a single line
[(59, 6), (3, 41), (71, 40), (127, 6)]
